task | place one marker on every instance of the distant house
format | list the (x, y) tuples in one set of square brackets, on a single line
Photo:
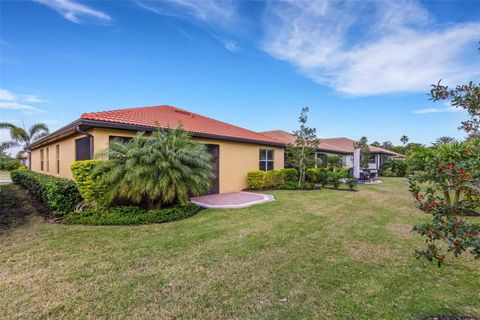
[(24, 159), (342, 147), (234, 150)]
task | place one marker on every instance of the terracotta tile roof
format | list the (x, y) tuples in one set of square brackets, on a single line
[(335, 145), (170, 117)]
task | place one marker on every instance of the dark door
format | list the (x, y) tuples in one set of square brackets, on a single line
[(82, 149), (214, 150)]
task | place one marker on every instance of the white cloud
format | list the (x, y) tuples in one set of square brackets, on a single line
[(367, 48), (208, 11), (437, 110), (76, 12), (6, 95), (11, 101)]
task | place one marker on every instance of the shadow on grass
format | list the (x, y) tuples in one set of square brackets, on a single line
[(16, 205)]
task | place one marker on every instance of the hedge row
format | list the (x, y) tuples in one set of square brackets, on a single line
[(271, 179), (60, 195), (124, 215)]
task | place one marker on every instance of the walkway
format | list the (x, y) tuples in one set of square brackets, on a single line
[(232, 200)]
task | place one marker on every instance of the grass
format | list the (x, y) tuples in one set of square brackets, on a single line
[(311, 254), (4, 175)]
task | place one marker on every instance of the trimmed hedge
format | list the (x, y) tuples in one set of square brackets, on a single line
[(290, 174), (90, 191), (273, 179), (256, 179), (60, 195), (128, 215)]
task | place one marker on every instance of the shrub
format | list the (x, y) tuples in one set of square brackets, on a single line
[(163, 168), (7, 163), (335, 176), (308, 186), (288, 185), (125, 215), (394, 168), (313, 175), (256, 179), (323, 176), (290, 174), (273, 179), (82, 171), (351, 181), (60, 195)]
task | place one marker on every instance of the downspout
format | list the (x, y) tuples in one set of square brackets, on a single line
[(91, 140)]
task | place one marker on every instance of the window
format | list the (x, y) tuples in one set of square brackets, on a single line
[(82, 149), (119, 139), (266, 159), (57, 156), (48, 160), (41, 159)]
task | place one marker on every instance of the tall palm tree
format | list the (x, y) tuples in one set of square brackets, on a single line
[(163, 168), (23, 138), (443, 140), (404, 139)]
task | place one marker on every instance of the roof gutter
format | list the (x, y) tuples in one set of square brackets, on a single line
[(90, 136)]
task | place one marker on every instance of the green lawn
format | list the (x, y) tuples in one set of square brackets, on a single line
[(312, 254)]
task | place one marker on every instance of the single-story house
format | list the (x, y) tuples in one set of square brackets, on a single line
[(342, 147), (235, 151)]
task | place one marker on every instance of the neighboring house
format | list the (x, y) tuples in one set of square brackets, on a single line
[(235, 151), (24, 159), (342, 147)]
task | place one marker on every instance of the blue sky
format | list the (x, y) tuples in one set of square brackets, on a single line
[(363, 68)]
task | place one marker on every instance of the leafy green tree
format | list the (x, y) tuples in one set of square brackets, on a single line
[(404, 139), (21, 137), (165, 167), (376, 144), (305, 146), (365, 154), (445, 181)]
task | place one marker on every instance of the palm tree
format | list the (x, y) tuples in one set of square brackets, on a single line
[(404, 139), (163, 168), (443, 140), (23, 138)]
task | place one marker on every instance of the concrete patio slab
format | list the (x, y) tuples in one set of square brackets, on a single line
[(232, 200)]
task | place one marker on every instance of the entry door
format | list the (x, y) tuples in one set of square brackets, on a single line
[(214, 150)]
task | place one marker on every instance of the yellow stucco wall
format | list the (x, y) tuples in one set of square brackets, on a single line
[(67, 157), (235, 158)]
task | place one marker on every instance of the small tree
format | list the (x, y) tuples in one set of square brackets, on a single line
[(163, 168), (445, 184), (306, 144), (404, 139), (365, 154)]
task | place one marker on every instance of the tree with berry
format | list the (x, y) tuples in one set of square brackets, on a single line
[(445, 181)]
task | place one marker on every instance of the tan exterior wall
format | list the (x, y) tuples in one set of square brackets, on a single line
[(66, 153), (236, 158)]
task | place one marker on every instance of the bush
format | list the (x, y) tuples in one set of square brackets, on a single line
[(256, 179), (335, 176), (290, 174), (313, 175), (351, 181), (273, 179), (60, 195), (125, 215), (83, 173), (323, 177), (288, 185), (7, 163), (308, 186), (394, 168)]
